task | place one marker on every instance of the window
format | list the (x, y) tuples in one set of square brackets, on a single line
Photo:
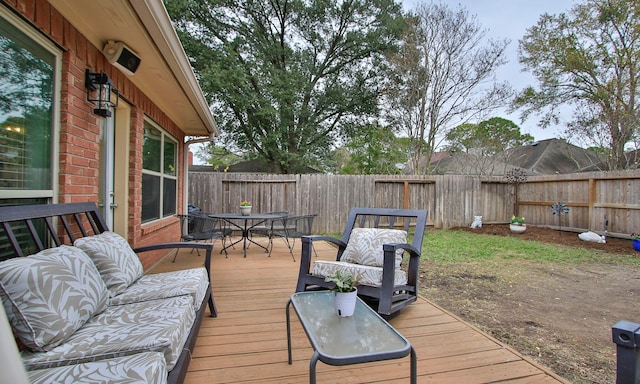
[(159, 179), (28, 95)]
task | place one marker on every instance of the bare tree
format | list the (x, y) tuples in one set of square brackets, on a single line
[(443, 76), (587, 60)]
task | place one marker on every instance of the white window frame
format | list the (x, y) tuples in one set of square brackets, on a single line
[(164, 136), (7, 16)]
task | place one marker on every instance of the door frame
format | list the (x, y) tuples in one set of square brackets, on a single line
[(121, 168)]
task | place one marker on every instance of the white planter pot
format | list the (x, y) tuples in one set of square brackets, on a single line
[(517, 228), (245, 210), (345, 303)]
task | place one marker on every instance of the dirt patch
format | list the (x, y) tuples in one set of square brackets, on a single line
[(559, 314), (546, 235)]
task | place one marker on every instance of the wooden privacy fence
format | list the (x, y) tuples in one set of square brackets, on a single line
[(594, 199)]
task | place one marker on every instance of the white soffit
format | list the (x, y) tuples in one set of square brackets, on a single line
[(165, 74)]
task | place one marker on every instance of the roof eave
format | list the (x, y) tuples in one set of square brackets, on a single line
[(155, 19)]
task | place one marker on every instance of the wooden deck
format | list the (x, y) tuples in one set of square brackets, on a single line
[(247, 342)]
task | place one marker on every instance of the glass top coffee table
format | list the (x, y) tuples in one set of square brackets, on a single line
[(361, 338)]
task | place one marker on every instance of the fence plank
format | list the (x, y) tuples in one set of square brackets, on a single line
[(594, 199)]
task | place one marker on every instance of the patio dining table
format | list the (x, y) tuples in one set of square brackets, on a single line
[(245, 224)]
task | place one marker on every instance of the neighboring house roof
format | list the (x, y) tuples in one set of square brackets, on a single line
[(436, 157), (554, 156), (461, 163), (440, 155), (165, 74)]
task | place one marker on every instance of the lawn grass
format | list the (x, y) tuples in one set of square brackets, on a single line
[(450, 246)]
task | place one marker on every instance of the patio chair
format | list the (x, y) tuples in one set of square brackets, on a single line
[(372, 248), (266, 227), (290, 229), (198, 226)]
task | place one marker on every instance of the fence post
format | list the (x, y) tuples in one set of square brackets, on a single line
[(626, 335)]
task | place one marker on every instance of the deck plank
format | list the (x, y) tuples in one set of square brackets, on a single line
[(247, 342)]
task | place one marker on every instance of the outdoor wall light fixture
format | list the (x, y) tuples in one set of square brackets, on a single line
[(99, 88)]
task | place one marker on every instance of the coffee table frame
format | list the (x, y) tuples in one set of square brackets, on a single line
[(362, 338)]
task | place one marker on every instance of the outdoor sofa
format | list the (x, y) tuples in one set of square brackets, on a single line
[(82, 310)]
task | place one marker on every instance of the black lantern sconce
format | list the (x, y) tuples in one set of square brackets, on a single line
[(99, 88)]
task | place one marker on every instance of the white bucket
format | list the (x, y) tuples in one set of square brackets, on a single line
[(345, 303)]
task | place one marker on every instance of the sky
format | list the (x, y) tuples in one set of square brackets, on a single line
[(510, 19)]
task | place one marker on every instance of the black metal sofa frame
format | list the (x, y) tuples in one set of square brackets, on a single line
[(388, 297), (52, 225)]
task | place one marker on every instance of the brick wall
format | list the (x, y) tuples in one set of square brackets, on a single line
[(80, 128)]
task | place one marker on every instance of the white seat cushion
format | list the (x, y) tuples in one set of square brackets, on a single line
[(142, 368), (363, 274), (365, 246), (117, 262), (156, 325), (50, 295), (193, 282)]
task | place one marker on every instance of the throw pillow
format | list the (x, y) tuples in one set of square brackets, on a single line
[(116, 261), (365, 246), (50, 295)]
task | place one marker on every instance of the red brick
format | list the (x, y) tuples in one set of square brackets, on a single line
[(81, 46), (92, 154), (73, 172), (81, 162), (74, 149), (91, 57), (70, 36), (42, 16), (71, 189), (76, 112), (26, 7), (57, 26), (78, 180), (80, 145)]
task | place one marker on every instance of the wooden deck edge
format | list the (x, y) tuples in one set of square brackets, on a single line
[(528, 359)]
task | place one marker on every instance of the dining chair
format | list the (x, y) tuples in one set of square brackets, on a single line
[(292, 228), (265, 228), (198, 226)]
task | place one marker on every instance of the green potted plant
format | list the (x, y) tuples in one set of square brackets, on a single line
[(245, 207), (517, 224), (635, 237), (345, 292)]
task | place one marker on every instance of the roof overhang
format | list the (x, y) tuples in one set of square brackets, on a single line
[(165, 74)]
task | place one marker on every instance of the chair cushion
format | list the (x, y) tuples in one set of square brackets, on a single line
[(142, 368), (117, 262), (156, 325), (193, 282), (365, 246), (50, 295), (363, 274)]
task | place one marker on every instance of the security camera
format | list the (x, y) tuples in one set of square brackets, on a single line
[(121, 56)]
